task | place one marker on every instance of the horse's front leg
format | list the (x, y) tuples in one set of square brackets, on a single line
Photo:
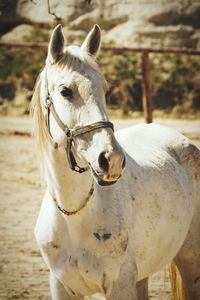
[(124, 288), (58, 291)]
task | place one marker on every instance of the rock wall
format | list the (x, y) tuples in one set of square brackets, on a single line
[(172, 23)]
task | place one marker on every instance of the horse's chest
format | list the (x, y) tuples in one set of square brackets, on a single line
[(82, 267), (72, 268), (83, 249)]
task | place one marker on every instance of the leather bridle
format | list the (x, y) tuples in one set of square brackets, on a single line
[(70, 133)]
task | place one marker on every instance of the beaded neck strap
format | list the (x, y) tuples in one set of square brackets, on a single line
[(70, 213)]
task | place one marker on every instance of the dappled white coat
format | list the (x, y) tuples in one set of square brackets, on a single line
[(131, 229), (126, 231)]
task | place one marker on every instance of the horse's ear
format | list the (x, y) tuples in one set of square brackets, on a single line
[(56, 44), (92, 42)]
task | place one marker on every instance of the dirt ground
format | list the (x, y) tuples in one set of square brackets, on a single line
[(23, 274)]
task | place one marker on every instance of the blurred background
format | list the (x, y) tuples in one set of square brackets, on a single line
[(173, 24), (151, 60)]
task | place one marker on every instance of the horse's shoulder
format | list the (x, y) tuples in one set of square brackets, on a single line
[(49, 224)]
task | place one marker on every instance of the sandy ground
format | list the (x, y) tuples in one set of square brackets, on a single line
[(23, 274)]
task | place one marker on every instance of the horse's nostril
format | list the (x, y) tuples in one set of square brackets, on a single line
[(124, 163), (103, 162)]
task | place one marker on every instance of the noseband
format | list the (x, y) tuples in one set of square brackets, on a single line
[(71, 133)]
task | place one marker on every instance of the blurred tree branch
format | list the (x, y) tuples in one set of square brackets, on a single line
[(50, 12), (33, 1), (57, 19)]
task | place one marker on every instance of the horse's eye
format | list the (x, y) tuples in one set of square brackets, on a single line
[(66, 92)]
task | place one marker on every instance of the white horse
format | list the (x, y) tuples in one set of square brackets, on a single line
[(103, 227)]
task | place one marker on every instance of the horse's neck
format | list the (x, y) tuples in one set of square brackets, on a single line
[(69, 188)]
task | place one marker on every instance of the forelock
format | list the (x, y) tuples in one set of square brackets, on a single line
[(75, 59)]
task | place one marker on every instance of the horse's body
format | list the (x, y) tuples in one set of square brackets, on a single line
[(124, 232)]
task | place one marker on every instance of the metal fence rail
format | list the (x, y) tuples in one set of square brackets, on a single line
[(145, 66)]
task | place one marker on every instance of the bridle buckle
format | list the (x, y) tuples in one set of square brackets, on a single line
[(68, 133), (48, 101)]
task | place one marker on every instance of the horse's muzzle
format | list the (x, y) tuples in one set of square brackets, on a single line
[(111, 166)]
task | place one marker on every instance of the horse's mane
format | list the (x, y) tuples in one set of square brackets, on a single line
[(39, 123), (71, 57)]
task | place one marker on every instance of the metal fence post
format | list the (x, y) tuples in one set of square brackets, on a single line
[(146, 87)]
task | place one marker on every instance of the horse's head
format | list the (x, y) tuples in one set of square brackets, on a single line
[(72, 81)]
